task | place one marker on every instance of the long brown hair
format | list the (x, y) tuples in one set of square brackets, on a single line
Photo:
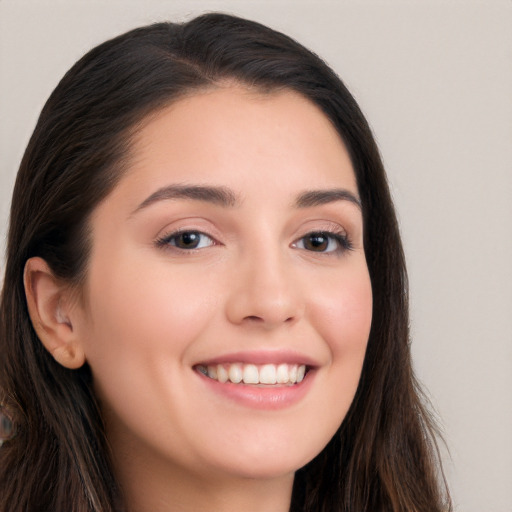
[(384, 456)]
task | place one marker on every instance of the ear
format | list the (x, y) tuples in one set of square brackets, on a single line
[(51, 310)]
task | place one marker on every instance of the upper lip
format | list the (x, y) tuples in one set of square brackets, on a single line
[(261, 357)]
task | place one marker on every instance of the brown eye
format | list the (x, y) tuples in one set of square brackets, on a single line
[(323, 242), (187, 240), (316, 242)]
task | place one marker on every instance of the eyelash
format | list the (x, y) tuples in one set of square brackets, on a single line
[(340, 238), (165, 240)]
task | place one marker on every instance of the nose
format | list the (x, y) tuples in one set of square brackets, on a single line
[(264, 293)]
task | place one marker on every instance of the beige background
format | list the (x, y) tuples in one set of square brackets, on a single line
[(435, 80)]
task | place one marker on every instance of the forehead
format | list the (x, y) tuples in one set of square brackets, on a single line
[(240, 138)]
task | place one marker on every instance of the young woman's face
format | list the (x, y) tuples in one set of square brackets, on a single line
[(228, 301)]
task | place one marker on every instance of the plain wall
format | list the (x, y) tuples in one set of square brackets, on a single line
[(435, 81)]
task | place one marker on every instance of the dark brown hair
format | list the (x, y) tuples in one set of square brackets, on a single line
[(384, 456)]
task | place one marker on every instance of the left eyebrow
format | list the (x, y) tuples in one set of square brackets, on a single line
[(220, 196), (319, 197)]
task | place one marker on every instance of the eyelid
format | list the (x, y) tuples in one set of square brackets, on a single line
[(163, 241), (332, 231)]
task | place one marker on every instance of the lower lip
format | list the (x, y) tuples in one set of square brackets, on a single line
[(261, 397)]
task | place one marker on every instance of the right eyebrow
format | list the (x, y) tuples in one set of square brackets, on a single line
[(221, 196), (311, 198)]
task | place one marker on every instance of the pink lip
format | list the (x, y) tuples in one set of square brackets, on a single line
[(261, 397), (262, 357)]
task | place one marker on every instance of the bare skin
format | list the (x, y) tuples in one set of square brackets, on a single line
[(234, 243)]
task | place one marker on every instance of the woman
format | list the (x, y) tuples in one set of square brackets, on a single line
[(205, 298)]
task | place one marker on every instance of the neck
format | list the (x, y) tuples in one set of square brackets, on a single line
[(234, 496)]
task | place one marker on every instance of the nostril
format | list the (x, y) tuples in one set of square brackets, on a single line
[(254, 318)]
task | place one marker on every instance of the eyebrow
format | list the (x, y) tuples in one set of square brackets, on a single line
[(319, 197), (225, 197), (220, 196)]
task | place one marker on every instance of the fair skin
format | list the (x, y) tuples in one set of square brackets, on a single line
[(234, 243)]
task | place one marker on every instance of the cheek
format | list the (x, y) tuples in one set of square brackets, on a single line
[(141, 320), (344, 313), (152, 301), (145, 323), (341, 314)]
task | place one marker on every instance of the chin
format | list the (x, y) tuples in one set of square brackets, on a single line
[(266, 464)]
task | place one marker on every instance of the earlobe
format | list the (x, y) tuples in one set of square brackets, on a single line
[(50, 307)]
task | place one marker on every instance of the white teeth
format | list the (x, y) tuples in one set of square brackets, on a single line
[(292, 375), (235, 373), (222, 374), (282, 374), (268, 374), (212, 372), (250, 374)]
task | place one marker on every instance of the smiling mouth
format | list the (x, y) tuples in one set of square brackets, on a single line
[(267, 374)]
